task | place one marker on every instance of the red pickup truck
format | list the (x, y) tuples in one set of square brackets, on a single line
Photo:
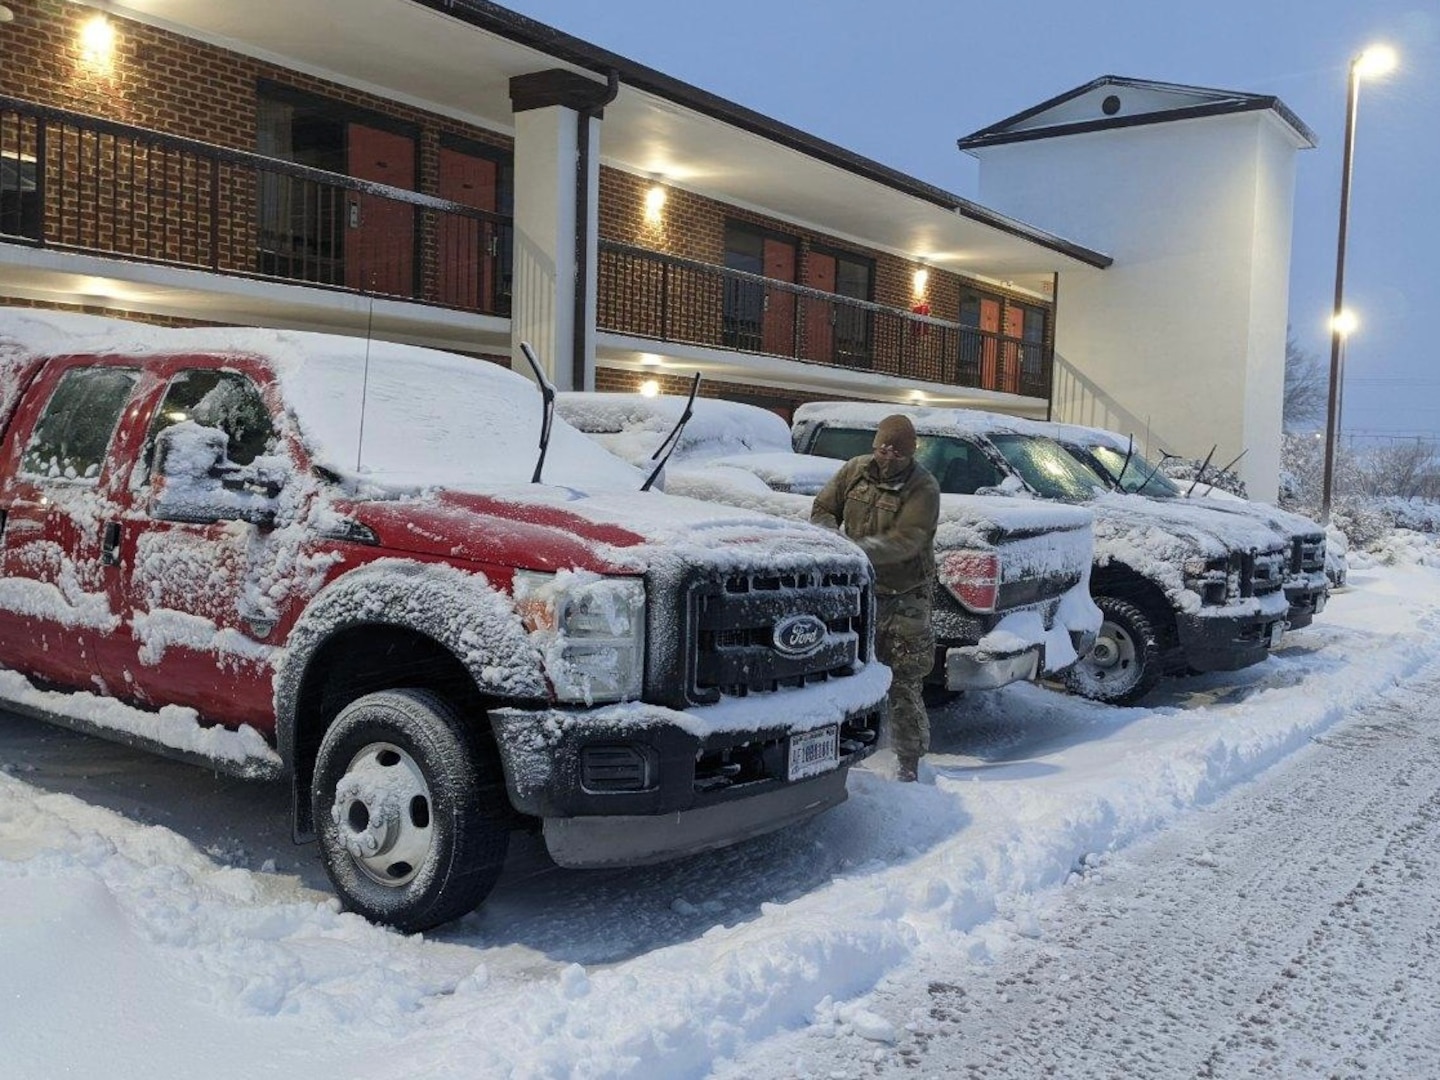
[(284, 553)]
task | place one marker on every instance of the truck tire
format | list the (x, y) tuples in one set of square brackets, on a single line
[(1124, 664), (411, 817)]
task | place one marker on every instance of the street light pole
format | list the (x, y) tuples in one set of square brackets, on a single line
[(1373, 61)]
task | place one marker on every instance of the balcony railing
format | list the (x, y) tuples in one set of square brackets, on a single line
[(647, 294), (80, 183)]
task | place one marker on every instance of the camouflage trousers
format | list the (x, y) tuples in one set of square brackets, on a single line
[(905, 641)]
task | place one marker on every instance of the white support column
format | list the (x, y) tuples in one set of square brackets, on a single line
[(549, 286)]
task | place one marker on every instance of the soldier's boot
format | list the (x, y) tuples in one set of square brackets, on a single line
[(908, 769)]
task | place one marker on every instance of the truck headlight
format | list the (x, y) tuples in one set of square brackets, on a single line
[(590, 631)]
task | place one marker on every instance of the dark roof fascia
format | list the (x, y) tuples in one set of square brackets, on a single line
[(536, 35), (1226, 102)]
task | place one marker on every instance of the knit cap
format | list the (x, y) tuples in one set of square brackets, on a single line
[(898, 433)]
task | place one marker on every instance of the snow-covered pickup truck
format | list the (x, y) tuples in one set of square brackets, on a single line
[(1113, 457), (1014, 602), (1182, 586), (278, 553)]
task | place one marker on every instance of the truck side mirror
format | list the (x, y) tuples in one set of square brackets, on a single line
[(195, 481)]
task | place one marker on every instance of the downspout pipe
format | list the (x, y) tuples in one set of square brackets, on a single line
[(582, 224)]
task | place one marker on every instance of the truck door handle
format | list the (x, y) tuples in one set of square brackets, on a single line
[(110, 544)]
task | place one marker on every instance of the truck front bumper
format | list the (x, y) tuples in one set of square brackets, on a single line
[(1227, 642), (985, 667), (1306, 601), (638, 839), (967, 668), (641, 783)]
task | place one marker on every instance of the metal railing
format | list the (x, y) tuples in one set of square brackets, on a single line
[(648, 294), (80, 183)]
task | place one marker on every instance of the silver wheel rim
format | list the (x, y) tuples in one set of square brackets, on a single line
[(1113, 655), (382, 810)]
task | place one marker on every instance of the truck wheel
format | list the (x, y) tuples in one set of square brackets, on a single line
[(411, 817), (1124, 664)]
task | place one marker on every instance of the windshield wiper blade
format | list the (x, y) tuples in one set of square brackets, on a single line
[(1129, 453), (1203, 466), (1223, 469), (1164, 457), (666, 448), (547, 395)]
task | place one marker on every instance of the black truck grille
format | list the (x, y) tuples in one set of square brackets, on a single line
[(1262, 572), (1307, 554), (736, 623)]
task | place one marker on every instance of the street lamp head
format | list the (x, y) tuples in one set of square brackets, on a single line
[(1376, 60), (1345, 323)]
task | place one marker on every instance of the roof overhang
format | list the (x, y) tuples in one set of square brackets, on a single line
[(457, 57)]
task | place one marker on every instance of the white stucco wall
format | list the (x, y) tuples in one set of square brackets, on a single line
[(1183, 337), (545, 224)]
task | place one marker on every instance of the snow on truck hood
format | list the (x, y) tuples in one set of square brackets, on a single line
[(1206, 495), (542, 527), (458, 435)]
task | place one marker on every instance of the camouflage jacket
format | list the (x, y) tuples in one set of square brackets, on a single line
[(893, 521)]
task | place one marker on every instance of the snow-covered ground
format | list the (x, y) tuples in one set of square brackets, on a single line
[(155, 921)]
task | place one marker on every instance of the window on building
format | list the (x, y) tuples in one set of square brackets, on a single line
[(979, 317), (759, 317), (1033, 322), (314, 230), (19, 196), (854, 326)]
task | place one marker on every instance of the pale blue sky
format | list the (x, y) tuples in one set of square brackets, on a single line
[(899, 81)]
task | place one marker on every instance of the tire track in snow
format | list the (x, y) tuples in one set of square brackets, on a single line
[(1289, 929)]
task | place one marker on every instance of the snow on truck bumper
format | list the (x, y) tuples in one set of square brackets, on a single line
[(984, 667), (634, 783), (1227, 640), (1029, 644)]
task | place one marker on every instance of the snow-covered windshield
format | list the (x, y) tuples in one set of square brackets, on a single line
[(1048, 467), (1140, 477)]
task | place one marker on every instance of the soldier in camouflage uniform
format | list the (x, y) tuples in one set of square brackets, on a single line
[(888, 503)]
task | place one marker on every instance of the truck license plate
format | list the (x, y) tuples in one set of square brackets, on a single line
[(814, 752)]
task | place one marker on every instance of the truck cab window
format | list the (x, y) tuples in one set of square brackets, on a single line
[(74, 432), (220, 399)]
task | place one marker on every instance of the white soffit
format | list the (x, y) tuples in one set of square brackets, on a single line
[(411, 53)]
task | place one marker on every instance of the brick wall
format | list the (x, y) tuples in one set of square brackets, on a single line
[(175, 84), (119, 195), (639, 296)]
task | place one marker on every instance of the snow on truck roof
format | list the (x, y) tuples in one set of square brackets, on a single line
[(928, 420), (430, 418)]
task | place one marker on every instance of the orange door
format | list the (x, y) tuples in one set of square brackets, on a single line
[(467, 269), (777, 335), (380, 233), (1010, 351), (819, 314), (989, 350)]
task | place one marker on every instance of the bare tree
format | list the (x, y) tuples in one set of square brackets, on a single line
[(1307, 386), (1405, 468)]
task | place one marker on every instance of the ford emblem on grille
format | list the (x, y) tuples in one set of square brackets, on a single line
[(798, 635)]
